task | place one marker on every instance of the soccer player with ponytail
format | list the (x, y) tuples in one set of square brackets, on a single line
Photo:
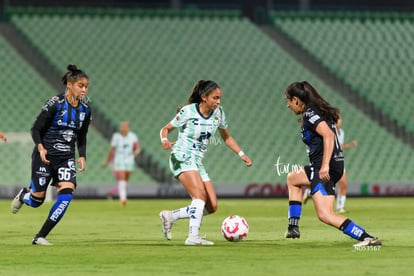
[(318, 119), (196, 122), (61, 125)]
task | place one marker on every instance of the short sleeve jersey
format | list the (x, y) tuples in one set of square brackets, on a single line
[(194, 130), (124, 147), (314, 141)]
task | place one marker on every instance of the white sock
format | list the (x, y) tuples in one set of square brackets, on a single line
[(195, 213), (122, 190), (340, 201), (26, 196), (180, 213)]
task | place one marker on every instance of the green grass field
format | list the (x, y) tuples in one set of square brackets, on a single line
[(98, 237)]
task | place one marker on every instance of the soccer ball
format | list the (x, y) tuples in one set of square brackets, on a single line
[(234, 228)]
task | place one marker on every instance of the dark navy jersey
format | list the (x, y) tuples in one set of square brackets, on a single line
[(314, 142), (60, 126)]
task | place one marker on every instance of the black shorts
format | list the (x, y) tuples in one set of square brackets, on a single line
[(326, 188), (59, 170)]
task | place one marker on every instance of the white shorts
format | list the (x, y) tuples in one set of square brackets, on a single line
[(123, 166)]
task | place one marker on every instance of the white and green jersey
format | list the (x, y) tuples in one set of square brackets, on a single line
[(124, 149), (194, 130)]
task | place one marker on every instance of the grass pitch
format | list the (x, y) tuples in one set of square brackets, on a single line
[(99, 237)]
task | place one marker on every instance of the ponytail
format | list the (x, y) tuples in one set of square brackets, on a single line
[(311, 98), (202, 87)]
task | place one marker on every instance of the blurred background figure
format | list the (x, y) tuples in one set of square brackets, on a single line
[(342, 183), (3, 136), (124, 147)]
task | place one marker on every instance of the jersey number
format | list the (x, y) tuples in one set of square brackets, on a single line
[(64, 174)]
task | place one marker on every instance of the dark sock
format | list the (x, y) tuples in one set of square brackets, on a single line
[(348, 227), (56, 212), (294, 213)]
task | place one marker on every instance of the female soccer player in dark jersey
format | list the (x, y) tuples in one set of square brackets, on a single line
[(61, 125), (326, 166)]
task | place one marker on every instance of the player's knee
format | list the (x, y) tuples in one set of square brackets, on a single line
[(35, 201), (325, 217), (66, 194), (292, 179), (212, 208)]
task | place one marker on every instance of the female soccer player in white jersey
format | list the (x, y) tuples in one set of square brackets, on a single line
[(124, 147), (196, 122)]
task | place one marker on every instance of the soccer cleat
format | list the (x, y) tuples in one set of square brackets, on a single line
[(17, 202), (292, 232), (196, 240), (306, 196), (370, 241), (40, 241), (167, 223), (342, 211)]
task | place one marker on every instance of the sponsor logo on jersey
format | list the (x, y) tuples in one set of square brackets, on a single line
[(61, 147), (314, 118)]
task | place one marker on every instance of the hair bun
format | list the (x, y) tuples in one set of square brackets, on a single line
[(72, 68)]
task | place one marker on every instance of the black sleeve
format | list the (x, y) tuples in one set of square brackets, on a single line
[(43, 121), (311, 119), (82, 137)]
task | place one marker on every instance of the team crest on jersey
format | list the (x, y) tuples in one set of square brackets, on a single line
[(42, 181), (71, 165), (67, 135), (82, 116), (216, 120)]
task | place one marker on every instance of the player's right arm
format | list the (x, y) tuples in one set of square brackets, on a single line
[(179, 120), (41, 124), (165, 143)]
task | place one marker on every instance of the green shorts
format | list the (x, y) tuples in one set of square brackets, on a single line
[(180, 165)]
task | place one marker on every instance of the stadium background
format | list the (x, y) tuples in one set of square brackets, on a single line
[(143, 58)]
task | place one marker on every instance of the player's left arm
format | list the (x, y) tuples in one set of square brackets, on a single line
[(137, 148), (349, 145), (328, 138), (81, 142), (232, 144)]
